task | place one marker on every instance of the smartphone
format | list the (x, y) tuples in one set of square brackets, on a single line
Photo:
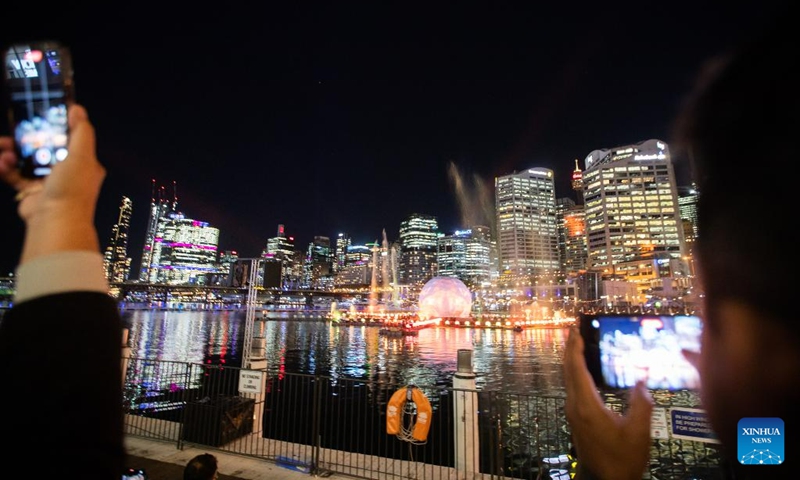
[(622, 349), (38, 87)]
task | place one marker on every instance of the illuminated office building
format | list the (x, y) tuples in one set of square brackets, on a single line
[(340, 254), (527, 229), (632, 212), (318, 263), (281, 248), (357, 269), (184, 252), (577, 183), (466, 255), (418, 242), (160, 206), (687, 201), (572, 246), (116, 261), (225, 263)]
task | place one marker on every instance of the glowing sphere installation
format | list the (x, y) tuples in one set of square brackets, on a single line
[(444, 297)]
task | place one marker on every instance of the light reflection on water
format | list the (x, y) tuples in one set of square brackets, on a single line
[(186, 336), (520, 362)]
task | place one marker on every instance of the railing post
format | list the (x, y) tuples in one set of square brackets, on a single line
[(184, 394), (465, 410), (316, 416)]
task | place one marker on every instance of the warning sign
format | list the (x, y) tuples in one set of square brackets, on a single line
[(250, 381), (691, 424), (658, 424)]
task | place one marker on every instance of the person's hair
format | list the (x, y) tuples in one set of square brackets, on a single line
[(201, 467), (739, 131)]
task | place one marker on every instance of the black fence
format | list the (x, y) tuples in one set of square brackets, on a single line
[(319, 424)]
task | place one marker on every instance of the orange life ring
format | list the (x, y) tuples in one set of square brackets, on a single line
[(395, 409)]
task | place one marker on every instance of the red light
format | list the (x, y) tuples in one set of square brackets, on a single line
[(34, 56), (653, 322)]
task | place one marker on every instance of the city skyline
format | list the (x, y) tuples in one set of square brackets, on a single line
[(348, 119)]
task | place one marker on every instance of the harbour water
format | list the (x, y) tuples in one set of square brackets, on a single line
[(528, 361)]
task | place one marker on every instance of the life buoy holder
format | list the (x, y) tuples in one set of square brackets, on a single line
[(416, 430)]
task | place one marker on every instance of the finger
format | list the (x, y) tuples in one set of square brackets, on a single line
[(641, 405), (6, 143), (574, 362), (81, 135), (692, 357), (578, 382)]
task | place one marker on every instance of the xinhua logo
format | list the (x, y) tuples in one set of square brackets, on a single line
[(761, 441)]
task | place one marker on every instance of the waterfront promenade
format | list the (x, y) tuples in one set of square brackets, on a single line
[(164, 461)]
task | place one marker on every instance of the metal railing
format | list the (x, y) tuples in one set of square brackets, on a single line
[(319, 424)]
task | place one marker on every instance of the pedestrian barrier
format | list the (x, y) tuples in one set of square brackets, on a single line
[(320, 424)]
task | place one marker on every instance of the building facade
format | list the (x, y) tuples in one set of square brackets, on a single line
[(418, 243), (573, 252), (466, 255), (340, 254), (632, 211), (281, 248), (160, 206), (318, 265), (116, 261), (184, 252), (687, 200), (527, 226)]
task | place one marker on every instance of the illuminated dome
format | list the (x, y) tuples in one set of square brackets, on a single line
[(445, 297)]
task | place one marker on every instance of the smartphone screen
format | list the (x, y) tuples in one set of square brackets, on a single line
[(38, 83), (623, 349)]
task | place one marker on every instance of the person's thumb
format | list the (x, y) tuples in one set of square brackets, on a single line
[(640, 411), (81, 135)]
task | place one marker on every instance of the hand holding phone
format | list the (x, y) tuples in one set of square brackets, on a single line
[(621, 349), (38, 89)]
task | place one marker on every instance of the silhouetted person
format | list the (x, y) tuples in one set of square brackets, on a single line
[(201, 467), (62, 298), (740, 131)]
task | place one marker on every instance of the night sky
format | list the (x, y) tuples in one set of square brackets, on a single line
[(349, 116)]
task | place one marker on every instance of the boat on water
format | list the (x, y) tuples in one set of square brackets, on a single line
[(398, 331)]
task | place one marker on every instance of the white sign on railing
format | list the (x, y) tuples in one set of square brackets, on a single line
[(250, 381)]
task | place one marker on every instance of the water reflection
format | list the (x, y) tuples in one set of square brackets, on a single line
[(186, 336), (515, 362)]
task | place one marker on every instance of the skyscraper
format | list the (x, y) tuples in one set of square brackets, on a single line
[(282, 249), (466, 255), (160, 206), (342, 242), (577, 183), (527, 237), (571, 236), (418, 241), (184, 252), (115, 259), (632, 209), (318, 263), (687, 199), (357, 269)]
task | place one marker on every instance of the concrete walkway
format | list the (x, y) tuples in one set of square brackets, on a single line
[(164, 461)]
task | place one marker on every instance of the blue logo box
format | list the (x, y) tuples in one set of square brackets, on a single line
[(761, 441)]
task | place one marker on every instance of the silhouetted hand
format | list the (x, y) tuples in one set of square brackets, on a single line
[(608, 445)]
